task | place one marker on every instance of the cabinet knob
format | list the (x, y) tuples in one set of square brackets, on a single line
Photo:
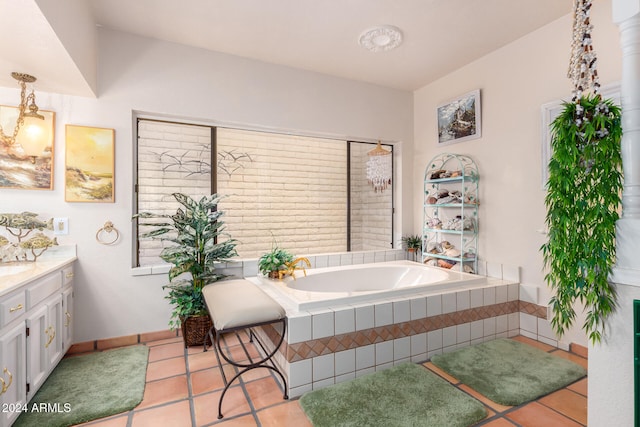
[(67, 322), (16, 308), (69, 275), (5, 385), (51, 333)]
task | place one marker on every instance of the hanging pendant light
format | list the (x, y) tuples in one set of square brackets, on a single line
[(32, 139), (379, 168)]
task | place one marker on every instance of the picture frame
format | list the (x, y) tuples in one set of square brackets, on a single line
[(550, 111), (460, 119), (89, 164), (20, 170)]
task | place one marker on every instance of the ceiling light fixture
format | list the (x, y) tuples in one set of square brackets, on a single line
[(380, 39), (379, 168), (32, 142)]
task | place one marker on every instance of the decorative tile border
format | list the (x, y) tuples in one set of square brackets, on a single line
[(318, 347)]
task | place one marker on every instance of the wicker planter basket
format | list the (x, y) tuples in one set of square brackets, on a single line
[(195, 329)]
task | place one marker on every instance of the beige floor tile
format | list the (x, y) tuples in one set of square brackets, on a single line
[(205, 381), (165, 368), (264, 392), (286, 414), (174, 415), (580, 387), (206, 405), (202, 360), (572, 357), (165, 351), (164, 391), (569, 403), (537, 415)]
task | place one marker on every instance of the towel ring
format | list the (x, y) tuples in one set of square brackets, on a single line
[(107, 228)]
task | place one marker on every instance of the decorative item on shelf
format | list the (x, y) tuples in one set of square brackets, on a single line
[(379, 168), (20, 226), (107, 228), (197, 233), (583, 190), (413, 244)]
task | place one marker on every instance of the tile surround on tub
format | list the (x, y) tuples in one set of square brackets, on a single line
[(375, 348), (349, 341)]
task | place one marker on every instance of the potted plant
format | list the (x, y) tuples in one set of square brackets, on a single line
[(194, 229), (273, 261), (413, 243)]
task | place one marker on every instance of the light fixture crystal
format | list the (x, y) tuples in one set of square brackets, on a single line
[(379, 168), (382, 38)]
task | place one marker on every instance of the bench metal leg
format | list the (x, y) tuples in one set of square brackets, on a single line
[(263, 362)]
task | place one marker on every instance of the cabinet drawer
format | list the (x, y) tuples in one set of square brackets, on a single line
[(67, 275), (12, 307), (43, 288)]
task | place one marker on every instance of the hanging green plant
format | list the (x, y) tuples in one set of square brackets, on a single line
[(584, 186)]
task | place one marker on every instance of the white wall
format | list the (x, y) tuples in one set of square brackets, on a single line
[(141, 74), (514, 82)]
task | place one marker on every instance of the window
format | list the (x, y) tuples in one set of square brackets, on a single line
[(307, 194)]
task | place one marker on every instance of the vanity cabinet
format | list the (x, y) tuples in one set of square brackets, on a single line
[(35, 331), (450, 220), (13, 373)]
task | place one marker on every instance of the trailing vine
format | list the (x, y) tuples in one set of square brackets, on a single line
[(585, 181)]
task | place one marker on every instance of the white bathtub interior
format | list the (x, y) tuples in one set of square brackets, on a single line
[(336, 286)]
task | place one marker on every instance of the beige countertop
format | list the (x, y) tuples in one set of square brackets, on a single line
[(16, 274)]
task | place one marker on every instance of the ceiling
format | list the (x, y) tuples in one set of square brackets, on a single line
[(439, 36)]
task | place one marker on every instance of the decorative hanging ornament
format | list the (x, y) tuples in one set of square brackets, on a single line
[(582, 65), (379, 169)]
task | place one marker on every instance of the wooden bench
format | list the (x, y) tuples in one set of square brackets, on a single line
[(236, 305)]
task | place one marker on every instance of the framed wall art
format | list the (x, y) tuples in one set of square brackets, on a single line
[(90, 164), (27, 162), (459, 119)]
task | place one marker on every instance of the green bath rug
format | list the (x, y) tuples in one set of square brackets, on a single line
[(88, 387), (509, 372), (405, 395)]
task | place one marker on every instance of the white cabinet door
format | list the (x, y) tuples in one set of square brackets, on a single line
[(37, 355), (13, 396), (67, 319), (54, 331)]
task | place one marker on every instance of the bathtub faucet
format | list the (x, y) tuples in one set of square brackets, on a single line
[(292, 267)]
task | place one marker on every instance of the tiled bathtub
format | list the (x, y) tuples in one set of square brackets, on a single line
[(328, 346)]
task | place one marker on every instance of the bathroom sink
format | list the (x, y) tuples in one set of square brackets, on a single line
[(9, 269)]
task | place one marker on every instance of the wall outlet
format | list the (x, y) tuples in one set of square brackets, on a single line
[(60, 225)]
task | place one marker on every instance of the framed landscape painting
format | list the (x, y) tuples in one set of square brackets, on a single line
[(459, 119), (90, 165), (20, 169)]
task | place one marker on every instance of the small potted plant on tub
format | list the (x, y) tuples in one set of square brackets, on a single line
[(413, 243), (274, 261)]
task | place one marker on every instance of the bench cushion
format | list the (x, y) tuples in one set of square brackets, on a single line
[(236, 303)]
